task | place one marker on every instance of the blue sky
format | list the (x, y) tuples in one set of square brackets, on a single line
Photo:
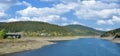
[(98, 14)]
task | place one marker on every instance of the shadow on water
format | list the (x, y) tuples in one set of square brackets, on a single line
[(80, 47)]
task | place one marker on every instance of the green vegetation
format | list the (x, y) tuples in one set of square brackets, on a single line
[(83, 30), (112, 33), (34, 28), (2, 33)]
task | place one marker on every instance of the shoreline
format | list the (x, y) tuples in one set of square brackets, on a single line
[(19, 45), (32, 43), (8, 46)]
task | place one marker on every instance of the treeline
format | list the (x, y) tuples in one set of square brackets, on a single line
[(2, 33), (32, 28), (84, 30), (112, 33)]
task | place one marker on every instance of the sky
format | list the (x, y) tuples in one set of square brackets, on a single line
[(98, 14)]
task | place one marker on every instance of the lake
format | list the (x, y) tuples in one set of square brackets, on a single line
[(79, 47)]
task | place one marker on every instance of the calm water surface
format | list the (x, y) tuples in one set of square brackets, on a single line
[(80, 47)]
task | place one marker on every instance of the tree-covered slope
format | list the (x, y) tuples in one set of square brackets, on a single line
[(83, 30), (35, 28), (112, 33)]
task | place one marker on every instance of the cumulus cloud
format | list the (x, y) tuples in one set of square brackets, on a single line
[(49, 19), (57, 10), (106, 29), (110, 1), (9, 1), (64, 1), (25, 3), (99, 29), (47, 14), (2, 14), (99, 22), (76, 22), (115, 19), (96, 10), (72, 22), (102, 11), (5, 4)]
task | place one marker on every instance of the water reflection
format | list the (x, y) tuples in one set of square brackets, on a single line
[(80, 47)]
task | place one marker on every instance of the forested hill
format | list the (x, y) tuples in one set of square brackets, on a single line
[(83, 30), (34, 28), (112, 33)]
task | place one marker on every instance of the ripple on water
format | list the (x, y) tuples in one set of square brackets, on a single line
[(80, 47)]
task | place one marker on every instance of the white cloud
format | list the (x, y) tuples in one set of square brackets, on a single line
[(26, 3), (5, 4), (63, 1), (99, 22), (2, 10), (99, 29), (49, 19), (87, 9), (115, 19), (110, 0), (108, 29), (76, 22), (63, 24), (2, 14), (108, 22), (56, 10), (72, 22), (103, 29), (106, 13), (89, 3), (96, 10), (99, 10), (47, 14)]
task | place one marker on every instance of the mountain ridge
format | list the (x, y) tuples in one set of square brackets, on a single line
[(84, 29), (111, 33), (36, 28)]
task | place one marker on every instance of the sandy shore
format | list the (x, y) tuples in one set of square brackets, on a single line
[(17, 45), (29, 43), (117, 40)]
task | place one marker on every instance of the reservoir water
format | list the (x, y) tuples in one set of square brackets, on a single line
[(79, 47)]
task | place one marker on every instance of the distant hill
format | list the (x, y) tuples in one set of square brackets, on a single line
[(112, 32), (83, 30), (34, 28)]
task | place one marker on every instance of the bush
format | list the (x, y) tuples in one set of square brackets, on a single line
[(2, 34)]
